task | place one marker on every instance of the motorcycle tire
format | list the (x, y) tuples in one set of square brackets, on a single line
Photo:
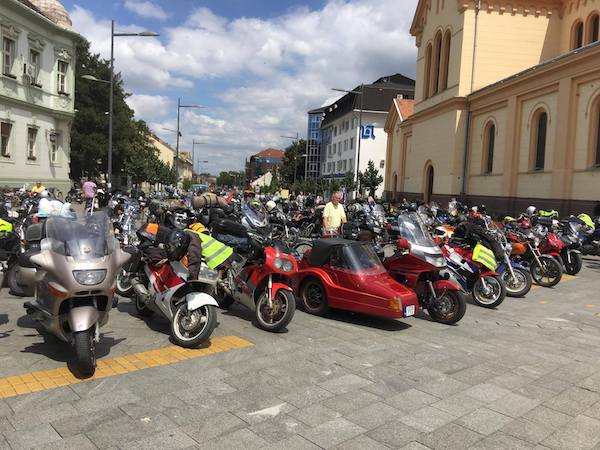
[(521, 287), (574, 267), (141, 308), (179, 331), (499, 292), (13, 286), (548, 276), (313, 297), (123, 284), (287, 299), (85, 352), (454, 309)]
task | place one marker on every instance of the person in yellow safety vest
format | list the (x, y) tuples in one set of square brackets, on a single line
[(203, 246)]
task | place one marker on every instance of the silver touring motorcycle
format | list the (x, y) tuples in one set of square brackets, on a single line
[(73, 265)]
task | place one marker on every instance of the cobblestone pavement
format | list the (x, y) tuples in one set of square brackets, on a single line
[(524, 376)]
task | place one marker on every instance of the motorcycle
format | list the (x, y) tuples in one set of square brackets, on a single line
[(162, 286), (570, 254), (260, 276), (74, 269), (418, 264)]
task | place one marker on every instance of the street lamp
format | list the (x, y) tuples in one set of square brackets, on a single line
[(179, 106), (360, 93), (194, 143)]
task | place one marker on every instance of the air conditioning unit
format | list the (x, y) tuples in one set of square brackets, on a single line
[(29, 72)]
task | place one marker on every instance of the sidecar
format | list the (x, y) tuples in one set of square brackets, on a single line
[(348, 275)]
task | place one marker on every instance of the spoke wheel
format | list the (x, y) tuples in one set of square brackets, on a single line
[(491, 294), (519, 285), (449, 307), (277, 316), (548, 273)]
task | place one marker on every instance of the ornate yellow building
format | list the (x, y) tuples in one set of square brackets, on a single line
[(507, 105)]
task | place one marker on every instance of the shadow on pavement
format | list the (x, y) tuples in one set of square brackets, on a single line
[(241, 312), (154, 322), (380, 323)]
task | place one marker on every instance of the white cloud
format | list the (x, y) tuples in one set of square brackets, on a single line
[(146, 9), (150, 107), (287, 65)]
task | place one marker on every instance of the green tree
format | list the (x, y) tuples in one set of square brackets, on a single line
[(293, 161), (349, 182), (231, 178), (186, 184), (370, 178)]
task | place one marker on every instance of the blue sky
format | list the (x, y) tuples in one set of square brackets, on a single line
[(258, 65)]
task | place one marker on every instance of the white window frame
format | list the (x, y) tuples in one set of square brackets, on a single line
[(8, 54), (35, 64), (54, 155), (62, 77), (32, 150), (5, 148)]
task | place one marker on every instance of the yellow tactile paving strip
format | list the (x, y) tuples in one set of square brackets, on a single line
[(48, 379)]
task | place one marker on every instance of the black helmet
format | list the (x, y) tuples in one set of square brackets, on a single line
[(177, 245)]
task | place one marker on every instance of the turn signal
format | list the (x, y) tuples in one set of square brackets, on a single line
[(53, 289), (395, 304)]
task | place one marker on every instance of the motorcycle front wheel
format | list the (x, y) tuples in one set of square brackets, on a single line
[(11, 279), (549, 273), (449, 307), (192, 328), (123, 284), (518, 286), (573, 267), (278, 316), (85, 352), (490, 295)]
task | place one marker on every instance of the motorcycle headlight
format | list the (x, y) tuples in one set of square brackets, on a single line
[(284, 265), (89, 277)]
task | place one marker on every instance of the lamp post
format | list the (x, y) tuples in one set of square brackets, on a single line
[(111, 82), (179, 106), (360, 93), (294, 140), (194, 143)]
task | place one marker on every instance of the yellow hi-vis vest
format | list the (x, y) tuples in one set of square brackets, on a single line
[(214, 252), (485, 256)]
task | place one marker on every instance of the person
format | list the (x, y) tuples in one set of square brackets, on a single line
[(38, 188), (89, 191), (203, 246), (333, 216)]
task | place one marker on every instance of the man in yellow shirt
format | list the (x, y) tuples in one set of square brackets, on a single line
[(38, 188), (333, 216)]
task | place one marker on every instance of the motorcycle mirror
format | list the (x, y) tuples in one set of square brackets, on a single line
[(403, 244)]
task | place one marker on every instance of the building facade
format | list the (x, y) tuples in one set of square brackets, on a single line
[(505, 118), (313, 144), (268, 160), (400, 111), (351, 119), (37, 90)]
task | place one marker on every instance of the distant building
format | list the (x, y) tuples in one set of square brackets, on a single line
[(313, 143), (166, 153), (185, 166), (268, 160), (345, 122), (400, 111), (37, 93)]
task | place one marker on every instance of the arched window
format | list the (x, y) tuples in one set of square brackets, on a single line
[(593, 28), (395, 184), (577, 35), (427, 85), (437, 60), (445, 61), (540, 130), (595, 134), (489, 140)]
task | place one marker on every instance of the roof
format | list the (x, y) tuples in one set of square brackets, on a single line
[(317, 110), (269, 153), (377, 96), (400, 109)]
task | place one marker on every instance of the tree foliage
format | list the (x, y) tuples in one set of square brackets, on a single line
[(231, 178), (293, 161), (133, 153), (370, 178)]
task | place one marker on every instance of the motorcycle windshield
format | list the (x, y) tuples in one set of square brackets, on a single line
[(89, 237), (412, 228), (378, 212), (357, 259), (255, 215)]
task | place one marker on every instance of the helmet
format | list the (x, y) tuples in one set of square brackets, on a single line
[(531, 210), (44, 194), (177, 245), (271, 205), (198, 227)]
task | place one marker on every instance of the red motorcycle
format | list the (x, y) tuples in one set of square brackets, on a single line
[(417, 264), (260, 276)]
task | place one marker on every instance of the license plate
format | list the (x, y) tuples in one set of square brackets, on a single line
[(409, 310)]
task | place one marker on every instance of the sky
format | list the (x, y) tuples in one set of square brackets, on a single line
[(257, 66)]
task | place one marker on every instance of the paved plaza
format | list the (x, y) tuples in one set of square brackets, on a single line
[(524, 376)]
